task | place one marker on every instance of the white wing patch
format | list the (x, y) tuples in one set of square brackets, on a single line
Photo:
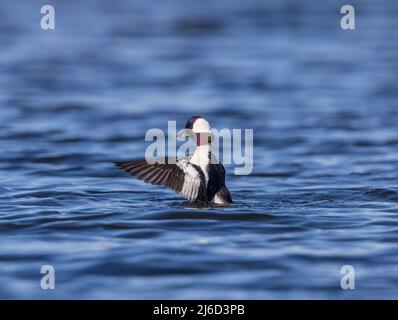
[(192, 180)]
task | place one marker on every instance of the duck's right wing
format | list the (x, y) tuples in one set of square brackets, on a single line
[(181, 176), (217, 191)]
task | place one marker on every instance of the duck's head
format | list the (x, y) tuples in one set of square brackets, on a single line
[(196, 125)]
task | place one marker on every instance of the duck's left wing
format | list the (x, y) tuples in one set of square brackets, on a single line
[(181, 176)]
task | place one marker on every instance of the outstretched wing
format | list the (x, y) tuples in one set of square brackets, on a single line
[(182, 177), (217, 192)]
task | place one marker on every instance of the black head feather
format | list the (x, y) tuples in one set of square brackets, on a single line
[(191, 121)]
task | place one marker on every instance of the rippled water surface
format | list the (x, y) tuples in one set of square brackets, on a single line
[(323, 106)]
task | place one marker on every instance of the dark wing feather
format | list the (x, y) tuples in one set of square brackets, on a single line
[(160, 174), (180, 176)]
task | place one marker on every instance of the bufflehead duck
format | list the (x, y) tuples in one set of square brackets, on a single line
[(200, 178)]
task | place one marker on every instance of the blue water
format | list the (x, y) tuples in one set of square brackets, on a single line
[(323, 104)]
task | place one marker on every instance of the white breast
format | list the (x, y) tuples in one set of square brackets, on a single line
[(201, 158)]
